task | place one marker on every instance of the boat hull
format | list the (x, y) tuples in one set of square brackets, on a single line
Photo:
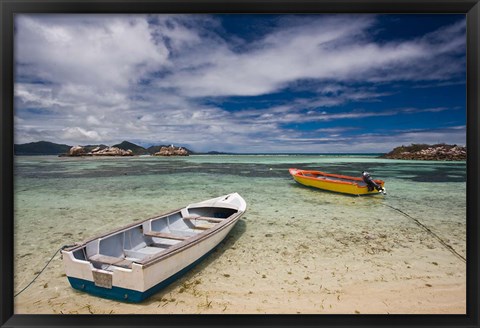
[(130, 295), (333, 182), (132, 279)]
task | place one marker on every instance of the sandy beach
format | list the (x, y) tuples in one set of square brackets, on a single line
[(369, 273), (295, 250)]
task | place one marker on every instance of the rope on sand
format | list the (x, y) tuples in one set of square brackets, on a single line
[(447, 246), (38, 274)]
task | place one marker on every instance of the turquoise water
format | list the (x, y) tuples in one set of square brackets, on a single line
[(60, 200)]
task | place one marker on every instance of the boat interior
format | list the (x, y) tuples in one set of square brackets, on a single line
[(150, 237), (333, 178)]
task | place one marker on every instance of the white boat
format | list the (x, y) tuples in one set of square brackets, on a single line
[(136, 261)]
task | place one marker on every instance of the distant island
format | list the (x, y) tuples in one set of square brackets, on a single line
[(438, 152), (40, 148), (124, 148)]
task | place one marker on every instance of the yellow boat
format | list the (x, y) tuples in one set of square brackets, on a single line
[(339, 183)]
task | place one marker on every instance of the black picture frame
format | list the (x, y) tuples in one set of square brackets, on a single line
[(9, 8)]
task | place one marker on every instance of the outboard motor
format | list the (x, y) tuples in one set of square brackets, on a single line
[(371, 184)]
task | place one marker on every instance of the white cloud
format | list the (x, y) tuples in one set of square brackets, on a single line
[(92, 120), (107, 78), (37, 95), (93, 50), (77, 133), (366, 142), (87, 65), (334, 48)]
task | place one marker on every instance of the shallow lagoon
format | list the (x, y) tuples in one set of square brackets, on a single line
[(296, 250)]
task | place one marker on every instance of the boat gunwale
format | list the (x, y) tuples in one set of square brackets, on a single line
[(173, 249), (321, 179), (354, 181)]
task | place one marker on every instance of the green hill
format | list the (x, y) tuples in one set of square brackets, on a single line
[(137, 150), (40, 148)]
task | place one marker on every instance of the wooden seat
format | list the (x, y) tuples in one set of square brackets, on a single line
[(204, 218), (166, 235), (111, 260), (197, 227)]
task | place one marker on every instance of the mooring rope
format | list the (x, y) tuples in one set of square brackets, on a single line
[(38, 274), (447, 246)]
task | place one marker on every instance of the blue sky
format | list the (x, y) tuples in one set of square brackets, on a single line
[(241, 83)]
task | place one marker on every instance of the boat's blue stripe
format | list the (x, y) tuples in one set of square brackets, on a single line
[(129, 295)]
